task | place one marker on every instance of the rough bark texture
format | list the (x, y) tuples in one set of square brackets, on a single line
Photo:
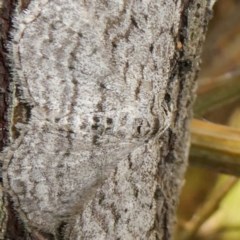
[(6, 8), (106, 88)]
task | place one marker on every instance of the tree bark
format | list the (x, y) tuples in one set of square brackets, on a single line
[(105, 92)]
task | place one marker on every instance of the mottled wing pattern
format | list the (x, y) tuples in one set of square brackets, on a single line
[(91, 73)]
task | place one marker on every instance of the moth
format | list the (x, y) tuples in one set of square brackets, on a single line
[(88, 75)]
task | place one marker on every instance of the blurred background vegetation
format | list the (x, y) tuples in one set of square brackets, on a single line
[(210, 202)]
